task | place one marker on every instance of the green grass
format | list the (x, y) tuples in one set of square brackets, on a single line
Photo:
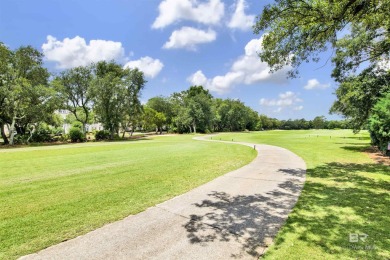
[(55, 193), (345, 192)]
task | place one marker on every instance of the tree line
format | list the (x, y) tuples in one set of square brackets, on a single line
[(107, 93), (196, 110)]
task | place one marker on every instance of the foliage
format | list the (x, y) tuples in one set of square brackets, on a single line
[(102, 135), (193, 109), (357, 95), (379, 123), (164, 106), (78, 124), (319, 122), (153, 119), (209, 114), (233, 115), (73, 87), (115, 94), (134, 84), (25, 96), (297, 31), (76, 135), (43, 133)]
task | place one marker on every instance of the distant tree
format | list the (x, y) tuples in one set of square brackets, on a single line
[(319, 122), (74, 90), (266, 122), (134, 83), (164, 106), (152, 118), (195, 106)]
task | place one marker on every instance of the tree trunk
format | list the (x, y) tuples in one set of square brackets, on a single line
[(12, 131), (194, 126), (84, 126), (112, 133), (31, 133), (161, 130), (3, 135)]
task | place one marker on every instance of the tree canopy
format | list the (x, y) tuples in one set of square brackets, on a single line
[(25, 95), (298, 31)]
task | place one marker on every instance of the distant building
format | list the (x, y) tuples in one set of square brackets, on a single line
[(62, 112), (88, 128)]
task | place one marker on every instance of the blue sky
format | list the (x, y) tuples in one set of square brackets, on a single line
[(177, 43)]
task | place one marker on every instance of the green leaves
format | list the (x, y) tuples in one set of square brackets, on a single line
[(297, 31), (379, 123), (357, 95), (25, 96), (115, 94)]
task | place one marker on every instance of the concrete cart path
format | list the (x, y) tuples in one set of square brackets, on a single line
[(234, 216)]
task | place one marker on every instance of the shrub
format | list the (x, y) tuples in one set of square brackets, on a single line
[(42, 133), (102, 135), (20, 139), (77, 124), (76, 135)]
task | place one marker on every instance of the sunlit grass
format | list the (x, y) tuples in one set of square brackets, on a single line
[(55, 193), (345, 193)]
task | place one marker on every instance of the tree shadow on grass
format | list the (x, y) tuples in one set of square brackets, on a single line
[(339, 200), (356, 137), (356, 148), (249, 220)]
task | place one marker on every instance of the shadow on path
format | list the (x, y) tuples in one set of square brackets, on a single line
[(251, 220)]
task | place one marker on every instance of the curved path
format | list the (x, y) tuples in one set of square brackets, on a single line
[(234, 216)]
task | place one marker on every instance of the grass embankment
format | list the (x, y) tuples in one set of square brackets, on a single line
[(345, 193), (51, 194)]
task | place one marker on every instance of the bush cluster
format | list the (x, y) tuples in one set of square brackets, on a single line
[(76, 135), (102, 135)]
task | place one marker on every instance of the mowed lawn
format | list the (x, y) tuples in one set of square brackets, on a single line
[(52, 194), (346, 193)]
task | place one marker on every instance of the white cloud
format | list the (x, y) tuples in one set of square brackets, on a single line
[(75, 52), (170, 11), (239, 19), (189, 38), (315, 84), (197, 79), (287, 99), (149, 66), (247, 69)]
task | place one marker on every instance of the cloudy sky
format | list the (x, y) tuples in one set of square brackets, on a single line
[(176, 43)]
